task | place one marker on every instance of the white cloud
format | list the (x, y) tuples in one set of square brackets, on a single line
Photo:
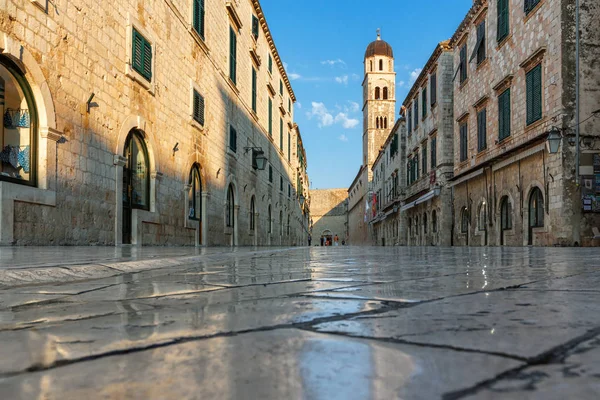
[(342, 79), (354, 107), (347, 123), (331, 63), (414, 75), (299, 105), (285, 66), (343, 138), (355, 77), (401, 84), (293, 76)]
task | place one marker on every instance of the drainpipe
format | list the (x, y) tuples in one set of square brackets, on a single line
[(577, 149)]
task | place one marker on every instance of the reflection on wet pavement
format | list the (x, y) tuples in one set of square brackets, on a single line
[(315, 323)]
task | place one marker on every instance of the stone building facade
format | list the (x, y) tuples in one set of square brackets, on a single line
[(428, 107), (514, 64), (379, 103), (329, 214), (145, 124)]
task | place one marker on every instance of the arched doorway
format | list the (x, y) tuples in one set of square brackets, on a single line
[(536, 212), (230, 213), (505, 218), (136, 180), (326, 238), (195, 198)]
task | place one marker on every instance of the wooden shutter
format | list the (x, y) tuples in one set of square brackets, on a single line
[(270, 64), (198, 17), (416, 112), (281, 134), (504, 114), (481, 130), (537, 92), (433, 95), (196, 106), (255, 27), (137, 61), (232, 139), (503, 19), (289, 147), (463, 63), (232, 54), (433, 152), (270, 117), (424, 105), (253, 89), (147, 60)]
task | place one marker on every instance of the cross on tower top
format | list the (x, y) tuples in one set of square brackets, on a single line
[(378, 34)]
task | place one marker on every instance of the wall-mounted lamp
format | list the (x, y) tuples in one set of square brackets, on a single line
[(89, 104), (302, 200), (553, 140), (176, 148), (259, 161)]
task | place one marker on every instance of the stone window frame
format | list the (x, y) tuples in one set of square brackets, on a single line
[(461, 121), (536, 59), (481, 106), (192, 121), (149, 36)]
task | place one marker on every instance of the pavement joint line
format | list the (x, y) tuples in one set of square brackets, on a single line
[(175, 341), (550, 356)]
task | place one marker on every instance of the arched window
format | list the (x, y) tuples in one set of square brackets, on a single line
[(371, 65), (482, 216), (269, 221), (377, 93), (464, 220), (385, 93), (136, 172), (252, 215), (424, 222), (19, 123), (381, 65), (229, 206), (536, 208), (505, 214), (377, 122), (385, 123), (195, 194), (434, 221)]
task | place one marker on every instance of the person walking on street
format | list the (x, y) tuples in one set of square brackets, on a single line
[(336, 239)]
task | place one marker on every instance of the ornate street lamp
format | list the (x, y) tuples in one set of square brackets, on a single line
[(553, 140), (259, 161), (302, 199)]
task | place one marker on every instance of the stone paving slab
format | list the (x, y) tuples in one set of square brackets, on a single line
[(283, 364)]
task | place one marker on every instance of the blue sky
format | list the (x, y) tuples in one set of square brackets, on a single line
[(322, 43)]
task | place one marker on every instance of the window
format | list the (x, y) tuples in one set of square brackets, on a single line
[(270, 117), (198, 17), (253, 89), (385, 122), (377, 93), (416, 167), (281, 87), (289, 141), (464, 220), (271, 173), (504, 115), (377, 122), (434, 221), (288, 225), (289, 105), (252, 215), (255, 27), (232, 139), (482, 216), (416, 112), (136, 172), (463, 63), (463, 141), (18, 132), (229, 207), (481, 130), (503, 20), (433, 83), (424, 101), (505, 214), (534, 94), (433, 152), (409, 119), (281, 134), (536, 208), (232, 55), (270, 221), (270, 64), (289, 190), (280, 223), (417, 226), (385, 93), (424, 157), (424, 223), (198, 108), (479, 49), (409, 226), (142, 56), (195, 194), (381, 65), (281, 183), (530, 5)]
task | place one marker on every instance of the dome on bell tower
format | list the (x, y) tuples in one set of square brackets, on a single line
[(379, 48)]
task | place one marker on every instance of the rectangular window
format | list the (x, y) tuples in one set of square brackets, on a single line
[(253, 89), (270, 117), (534, 94), (142, 56), (198, 17), (289, 147), (281, 183), (424, 101), (289, 105), (424, 157), (255, 28), (482, 130), (504, 115), (281, 87), (416, 159), (409, 119), (232, 54), (280, 134), (479, 50), (289, 190), (416, 112), (271, 173), (270, 64), (463, 141), (198, 108), (433, 95), (503, 20), (463, 63), (530, 5), (232, 139), (433, 152)]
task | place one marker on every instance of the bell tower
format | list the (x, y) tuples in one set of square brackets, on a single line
[(379, 98)]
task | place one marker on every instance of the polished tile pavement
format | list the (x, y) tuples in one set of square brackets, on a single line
[(318, 323)]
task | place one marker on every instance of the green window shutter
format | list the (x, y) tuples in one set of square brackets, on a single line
[(534, 94), (253, 89), (198, 108), (503, 20), (232, 139), (270, 64), (481, 130), (424, 105), (289, 147), (463, 63), (433, 95), (463, 142), (504, 114), (147, 60), (433, 153), (281, 87), (416, 112), (424, 158), (255, 28), (270, 117), (137, 61), (232, 54), (281, 134), (198, 17), (289, 105), (409, 118)]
